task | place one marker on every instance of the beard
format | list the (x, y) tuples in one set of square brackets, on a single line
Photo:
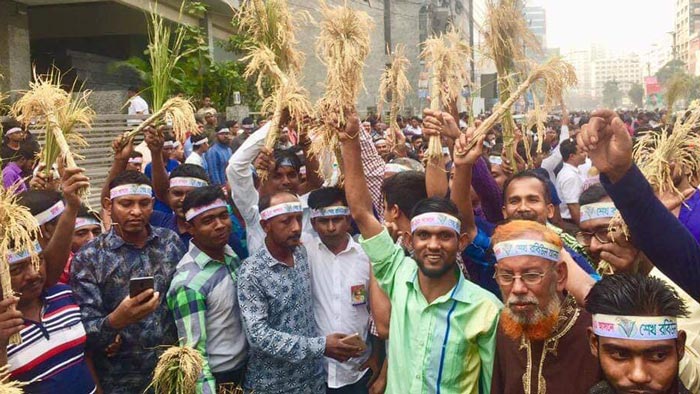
[(435, 273), (536, 326)]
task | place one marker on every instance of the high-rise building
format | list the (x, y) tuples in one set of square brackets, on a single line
[(659, 53), (687, 22), (536, 18), (625, 70)]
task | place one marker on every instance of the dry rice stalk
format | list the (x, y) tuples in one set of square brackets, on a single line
[(393, 86), (177, 371), (447, 57), (8, 386), (178, 111), (18, 230), (230, 388), (678, 88), (343, 45), (60, 111)]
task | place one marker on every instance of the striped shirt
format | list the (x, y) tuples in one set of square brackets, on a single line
[(204, 302), (51, 357)]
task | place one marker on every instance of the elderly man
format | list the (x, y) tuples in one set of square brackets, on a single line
[(541, 336), (635, 335)]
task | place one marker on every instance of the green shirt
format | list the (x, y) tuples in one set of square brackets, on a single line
[(444, 347)]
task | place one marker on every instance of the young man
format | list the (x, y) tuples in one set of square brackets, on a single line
[(275, 296), (413, 127), (635, 335), (541, 336), (21, 163), (340, 280), (135, 162), (137, 106), (203, 295), (569, 182), (200, 146), (87, 228), (218, 156), (206, 107), (100, 277), (161, 161), (448, 346), (13, 135)]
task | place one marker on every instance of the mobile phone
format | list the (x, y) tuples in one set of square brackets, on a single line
[(139, 285), (354, 340)]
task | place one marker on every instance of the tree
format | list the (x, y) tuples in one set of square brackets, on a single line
[(668, 70), (636, 94), (611, 94)]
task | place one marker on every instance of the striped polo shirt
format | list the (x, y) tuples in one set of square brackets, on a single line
[(51, 357)]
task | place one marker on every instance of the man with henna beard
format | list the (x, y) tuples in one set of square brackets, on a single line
[(541, 341)]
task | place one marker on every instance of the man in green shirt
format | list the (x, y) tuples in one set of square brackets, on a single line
[(442, 327)]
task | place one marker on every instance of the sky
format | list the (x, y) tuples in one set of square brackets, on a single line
[(620, 25)]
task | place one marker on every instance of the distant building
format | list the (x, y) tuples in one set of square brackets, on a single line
[(687, 22), (658, 54), (536, 18), (625, 70)]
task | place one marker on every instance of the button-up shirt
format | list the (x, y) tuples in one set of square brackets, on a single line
[(217, 158), (286, 351), (340, 285), (569, 188), (100, 275), (204, 301), (445, 346), (12, 177)]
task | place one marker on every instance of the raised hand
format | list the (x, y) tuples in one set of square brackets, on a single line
[(72, 181), (264, 162), (154, 140), (11, 321), (122, 147), (608, 144), (440, 123), (462, 154)]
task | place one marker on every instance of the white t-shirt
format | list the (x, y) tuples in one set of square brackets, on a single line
[(137, 106), (195, 158), (569, 187)]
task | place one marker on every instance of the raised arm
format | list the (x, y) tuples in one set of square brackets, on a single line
[(464, 160), (122, 151), (356, 189), (154, 141), (313, 179)]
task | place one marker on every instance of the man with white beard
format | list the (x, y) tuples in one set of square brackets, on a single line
[(540, 345)]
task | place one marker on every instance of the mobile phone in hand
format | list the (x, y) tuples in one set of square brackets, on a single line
[(354, 340), (139, 285)]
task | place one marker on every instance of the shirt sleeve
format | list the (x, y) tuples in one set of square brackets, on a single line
[(216, 165), (253, 302), (478, 249), (88, 295), (656, 231), (373, 166), (488, 191), (189, 309), (486, 342), (386, 258)]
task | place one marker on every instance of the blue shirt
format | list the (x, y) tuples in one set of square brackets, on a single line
[(169, 167), (217, 159), (100, 275), (286, 349)]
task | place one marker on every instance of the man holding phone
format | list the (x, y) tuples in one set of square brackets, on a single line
[(203, 296), (101, 273)]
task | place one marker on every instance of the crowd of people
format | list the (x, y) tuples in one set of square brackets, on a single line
[(484, 271)]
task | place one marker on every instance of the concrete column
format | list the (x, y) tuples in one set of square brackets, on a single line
[(15, 62)]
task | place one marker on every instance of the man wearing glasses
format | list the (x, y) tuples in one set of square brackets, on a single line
[(541, 342)]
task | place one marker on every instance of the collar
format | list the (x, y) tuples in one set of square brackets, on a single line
[(458, 293), (202, 259), (271, 261), (114, 241), (565, 164), (352, 245)]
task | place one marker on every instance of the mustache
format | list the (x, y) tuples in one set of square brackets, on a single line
[(528, 299), (525, 215)]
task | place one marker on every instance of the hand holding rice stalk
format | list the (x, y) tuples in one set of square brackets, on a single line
[(164, 52), (447, 56), (61, 112), (18, 232), (177, 371), (343, 46), (393, 86)]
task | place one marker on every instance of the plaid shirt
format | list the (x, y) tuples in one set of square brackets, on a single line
[(204, 302), (373, 166), (100, 275)]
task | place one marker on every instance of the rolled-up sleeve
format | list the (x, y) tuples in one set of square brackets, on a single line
[(386, 258)]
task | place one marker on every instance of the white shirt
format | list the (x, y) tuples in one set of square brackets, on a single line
[(552, 161), (137, 105), (569, 187), (410, 130), (195, 158), (240, 178), (340, 286)]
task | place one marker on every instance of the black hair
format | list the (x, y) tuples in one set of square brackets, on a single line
[(435, 204), (230, 123), (528, 174), (326, 197), (592, 195), (197, 138), (128, 177), (27, 150), (405, 189), (190, 171), (202, 196), (133, 89), (567, 148), (85, 212), (135, 154), (285, 155), (634, 295), (520, 149), (39, 201), (266, 200), (167, 136)]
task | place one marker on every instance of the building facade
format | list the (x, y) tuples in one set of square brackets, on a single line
[(536, 18), (687, 22), (625, 70)]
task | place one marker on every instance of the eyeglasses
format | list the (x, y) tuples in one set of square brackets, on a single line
[(529, 278), (601, 235)]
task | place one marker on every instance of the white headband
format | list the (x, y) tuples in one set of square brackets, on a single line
[(15, 257), (496, 160), (379, 140), (13, 130), (200, 142), (438, 219), (222, 131), (194, 212), (86, 221), (130, 189), (281, 209), (169, 144), (50, 214), (136, 160), (395, 168), (330, 211), (526, 247), (599, 210), (640, 328), (183, 181)]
